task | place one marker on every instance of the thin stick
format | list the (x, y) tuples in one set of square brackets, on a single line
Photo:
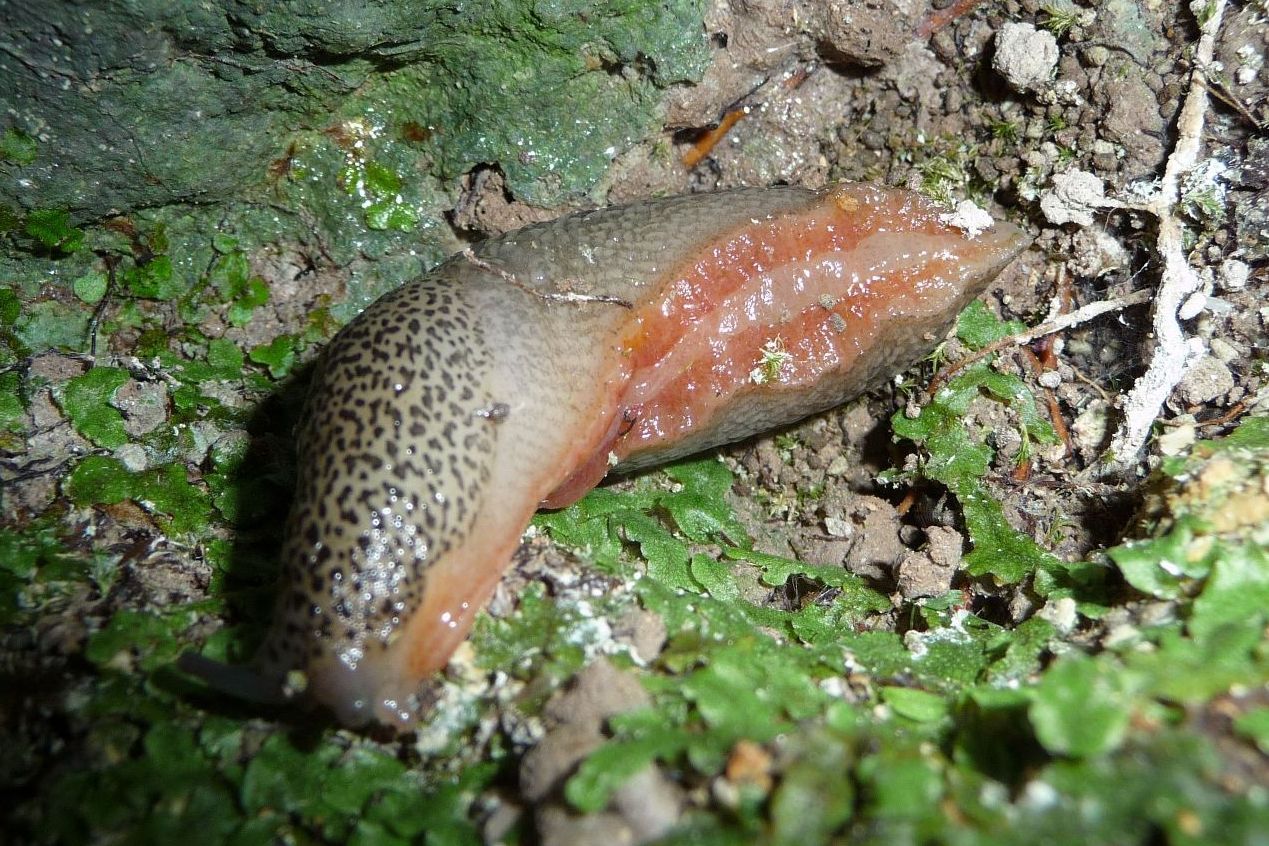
[(1058, 324)]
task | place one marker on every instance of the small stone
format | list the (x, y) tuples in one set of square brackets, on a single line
[(548, 765), (839, 466), (1096, 56), (598, 692), (500, 822), (56, 367), (1073, 198), (1233, 275), (1206, 381), (133, 457), (1178, 439), (144, 406), (1095, 252), (1106, 155), (650, 803), (1061, 613), (645, 633), (1092, 425), (1224, 351), (930, 571), (821, 552), (1025, 56), (838, 528), (558, 827)]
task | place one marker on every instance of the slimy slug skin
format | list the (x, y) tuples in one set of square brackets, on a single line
[(518, 373)]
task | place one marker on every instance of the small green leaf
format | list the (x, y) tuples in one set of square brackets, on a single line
[(153, 639), (154, 280), (1255, 725), (900, 783), (51, 323), (225, 356), (224, 243), (284, 779), (381, 180), (715, 577), (12, 408), (1022, 657), (1189, 671), (278, 355), (254, 293), (978, 327), (86, 400), (91, 287), (1000, 550), (1252, 433), (612, 765), (10, 306), (230, 273), (816, 796), (390, 214), (1237, 591), (667, 556), (1080, 709), (168, 491), (362, 773), (917, 705), (700, 509), (1162, 566)]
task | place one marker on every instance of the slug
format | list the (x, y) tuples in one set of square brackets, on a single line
[(520, 372)]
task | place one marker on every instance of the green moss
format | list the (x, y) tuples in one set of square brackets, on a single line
[(184, 508), (12, 410), (50, 324), (278, 355), (522, 70), (51, 229), (86, 400), (927, 722), (208, 128), (960, 461), (18, 147), (37, 573)]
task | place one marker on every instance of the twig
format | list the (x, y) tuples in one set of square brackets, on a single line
[(1037, 367), (936, 20), (705, 144), (1220, 90), (1066, 321), (563, 297), (1174, 353), (111, 262)]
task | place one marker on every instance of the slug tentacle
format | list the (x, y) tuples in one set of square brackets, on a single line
[(524, 369)]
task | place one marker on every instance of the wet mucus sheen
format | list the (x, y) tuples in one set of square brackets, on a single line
[(522, 371)]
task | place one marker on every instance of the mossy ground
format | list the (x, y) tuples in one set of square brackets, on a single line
[(1093, 671)]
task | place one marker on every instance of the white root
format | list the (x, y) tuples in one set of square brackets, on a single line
[(1174, 353)]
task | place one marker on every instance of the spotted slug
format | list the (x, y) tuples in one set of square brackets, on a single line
[(519, 373)]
